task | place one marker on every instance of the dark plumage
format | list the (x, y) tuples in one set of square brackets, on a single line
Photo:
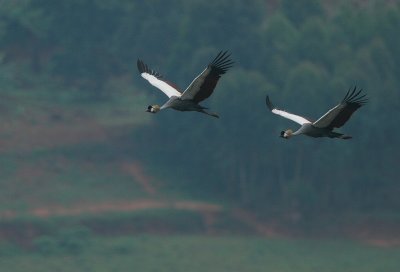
[(334, 118), (216, 68), (200, 88), (352, 101)]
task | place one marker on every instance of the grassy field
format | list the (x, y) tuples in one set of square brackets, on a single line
[(199, 253)]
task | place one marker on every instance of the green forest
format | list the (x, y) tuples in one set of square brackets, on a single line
[(81, 55), (89, 181)]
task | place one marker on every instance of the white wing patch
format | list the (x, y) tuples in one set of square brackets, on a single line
[(161, 85), (296, 118)]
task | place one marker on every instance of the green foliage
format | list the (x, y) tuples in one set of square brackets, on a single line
[(200, 253), (67, 241), (307, 68), (298, 12), (46, 245), (304, 54), (9, 249)]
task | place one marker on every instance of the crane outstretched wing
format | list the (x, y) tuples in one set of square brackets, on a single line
[(341, 113), (204, 84), (155, 79), (296, 118)]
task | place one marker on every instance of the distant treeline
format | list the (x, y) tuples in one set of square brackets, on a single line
[(304, 54)]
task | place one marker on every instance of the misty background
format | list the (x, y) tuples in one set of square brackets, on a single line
[(81, 158)]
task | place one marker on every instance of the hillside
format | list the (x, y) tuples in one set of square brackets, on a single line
[(75, 139)]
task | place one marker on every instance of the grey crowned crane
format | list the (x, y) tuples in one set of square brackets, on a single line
[(324, 126), (200, 88)]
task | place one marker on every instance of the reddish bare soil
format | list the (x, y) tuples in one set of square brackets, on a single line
[(37, 132), (380, 236), (123, 206), (135, 170)]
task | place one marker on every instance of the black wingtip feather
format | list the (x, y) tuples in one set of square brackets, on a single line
[(269, 103), (143, 68), (140, 67), (355, 97), (222, 62)]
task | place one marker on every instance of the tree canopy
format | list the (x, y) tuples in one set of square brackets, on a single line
[(304, 54)]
